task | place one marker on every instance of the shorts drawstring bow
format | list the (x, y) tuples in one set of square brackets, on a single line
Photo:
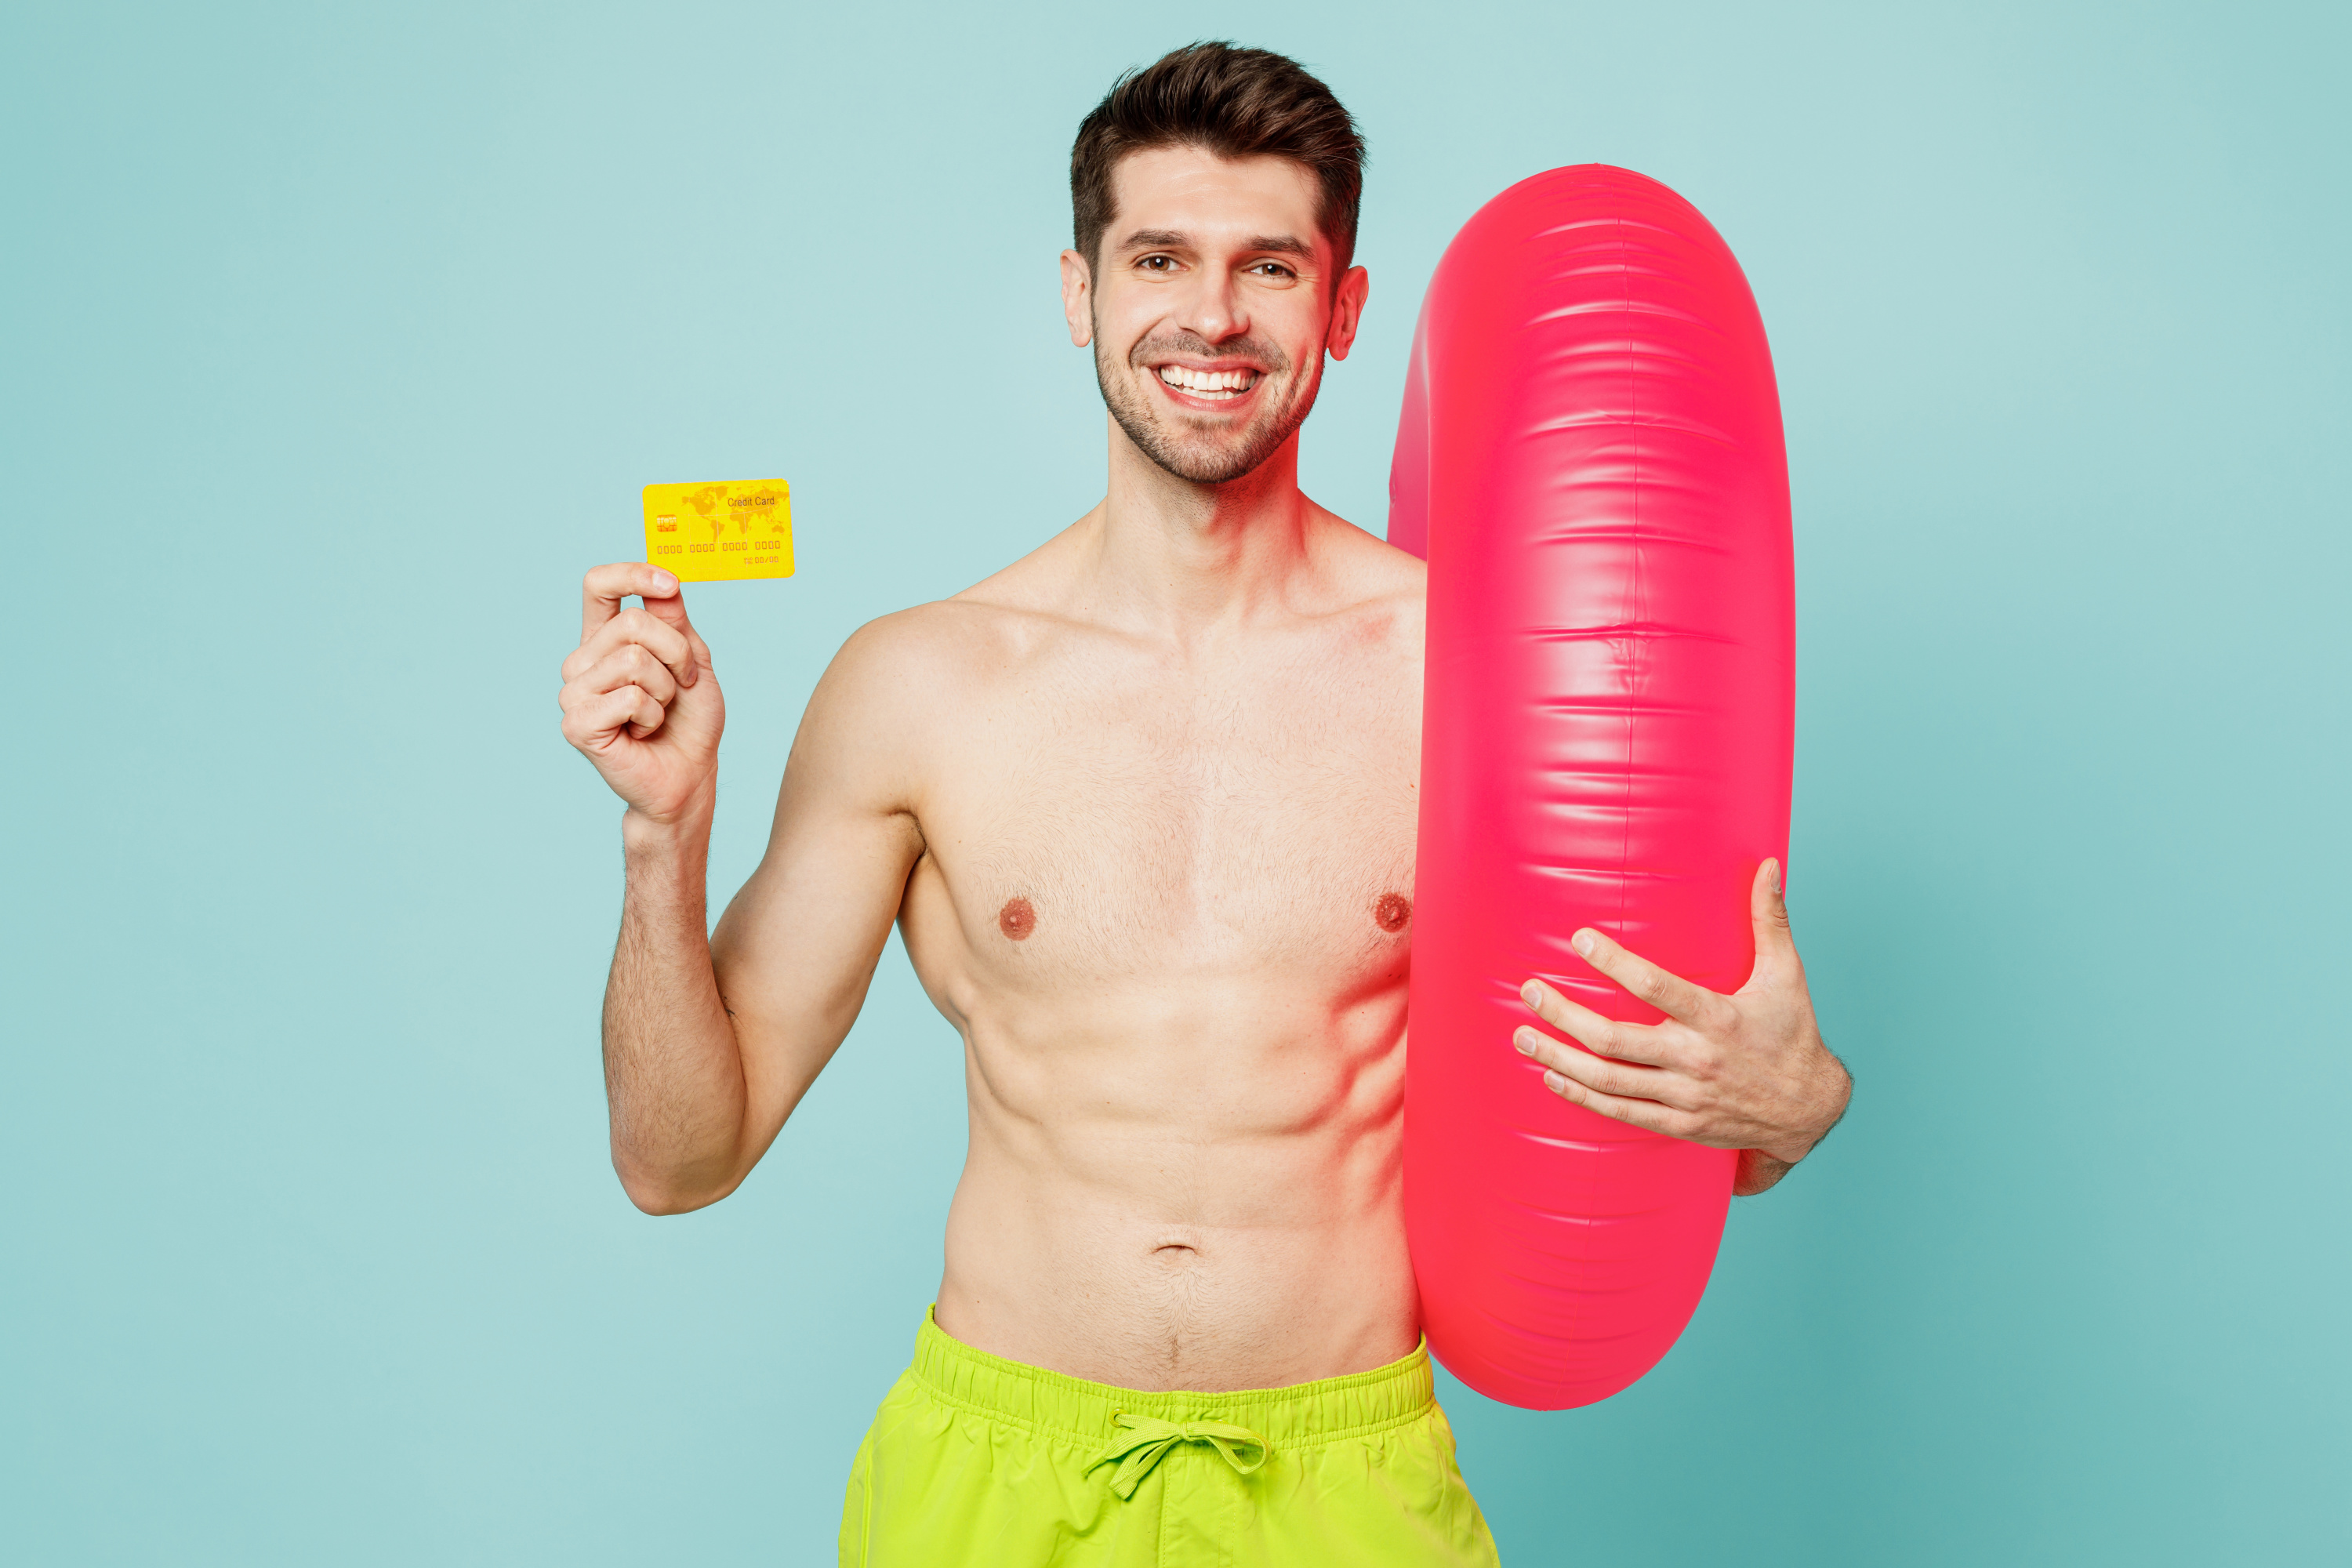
[(1147, 1441)]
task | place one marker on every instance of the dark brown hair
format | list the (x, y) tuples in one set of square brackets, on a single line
[(1236, 103)]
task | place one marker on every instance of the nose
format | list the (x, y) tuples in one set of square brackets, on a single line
[(1213, 308)]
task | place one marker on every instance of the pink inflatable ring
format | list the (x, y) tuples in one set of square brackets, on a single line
[(1590, 461)]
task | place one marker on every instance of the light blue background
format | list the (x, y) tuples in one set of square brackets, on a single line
[(337, 343)]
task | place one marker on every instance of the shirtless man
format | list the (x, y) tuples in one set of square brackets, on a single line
[(1142, 805)]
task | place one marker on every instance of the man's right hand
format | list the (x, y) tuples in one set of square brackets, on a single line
[(639, 697)]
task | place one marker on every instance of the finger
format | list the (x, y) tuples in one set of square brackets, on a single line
[(593, 724), (1601, 1073), (602, 591), (1626, 1042), (648, 715), (671, 608), (632, 665), (587, 709), (671, 611), (1670, 994), (1768, 906), (639, 628), (1647, 1114)]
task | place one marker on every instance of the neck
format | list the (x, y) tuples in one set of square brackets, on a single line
[(1182, 557)]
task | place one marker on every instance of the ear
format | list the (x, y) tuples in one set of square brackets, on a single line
[(1077, 297), (1348, 311)]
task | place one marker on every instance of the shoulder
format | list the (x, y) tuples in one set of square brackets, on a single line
[(880, 712), (943, 650), (914, 662), (916, 685), (916, 668), (1379, 589)]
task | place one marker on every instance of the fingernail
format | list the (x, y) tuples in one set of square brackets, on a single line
[(1582, 943), (1529, 994), (693, 674), (1526, 1047), (1776, 879), (669, 584)]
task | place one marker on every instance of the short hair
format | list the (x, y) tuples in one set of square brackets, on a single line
[(1232, 102)]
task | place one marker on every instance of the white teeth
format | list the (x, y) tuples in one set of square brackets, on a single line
[(1210, 384)]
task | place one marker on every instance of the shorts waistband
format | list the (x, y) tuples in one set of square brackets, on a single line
[(1302, 1415)]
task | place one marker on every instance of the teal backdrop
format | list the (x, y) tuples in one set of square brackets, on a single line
[(337, 340)]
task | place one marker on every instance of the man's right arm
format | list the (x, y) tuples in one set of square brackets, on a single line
[(711, 1042)]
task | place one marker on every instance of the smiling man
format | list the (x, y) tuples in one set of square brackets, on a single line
[(1142, 805)]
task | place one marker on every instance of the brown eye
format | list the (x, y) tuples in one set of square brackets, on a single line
[(1016, 918), (1393, 912)]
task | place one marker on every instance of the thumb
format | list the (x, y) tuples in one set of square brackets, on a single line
[(1768, 905)]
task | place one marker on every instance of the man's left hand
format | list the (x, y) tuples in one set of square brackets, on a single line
[(1748, 1071)]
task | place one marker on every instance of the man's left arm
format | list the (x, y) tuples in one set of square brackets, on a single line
[(1748, 1071)]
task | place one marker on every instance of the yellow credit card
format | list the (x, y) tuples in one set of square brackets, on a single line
[(710, 532)]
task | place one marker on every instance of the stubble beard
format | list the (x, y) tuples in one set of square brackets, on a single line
[(1198, 457)]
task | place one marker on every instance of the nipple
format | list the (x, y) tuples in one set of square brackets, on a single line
[(1016, 918), (1393, 912)]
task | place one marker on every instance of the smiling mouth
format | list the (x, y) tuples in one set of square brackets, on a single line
[(1210, 386)]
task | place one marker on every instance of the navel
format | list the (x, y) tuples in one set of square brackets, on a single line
[(1016, 918), (1393, 912)]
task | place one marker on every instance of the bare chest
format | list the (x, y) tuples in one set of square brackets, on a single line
[(1112, 817)]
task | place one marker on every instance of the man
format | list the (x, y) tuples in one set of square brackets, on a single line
[(1142, 805)]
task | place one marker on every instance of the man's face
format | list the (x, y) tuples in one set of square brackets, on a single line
[(1211, 308)]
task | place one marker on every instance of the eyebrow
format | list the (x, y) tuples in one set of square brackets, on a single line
[(1174, 240)]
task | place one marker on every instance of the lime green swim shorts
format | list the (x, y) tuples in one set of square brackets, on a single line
[(975, 1459)]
